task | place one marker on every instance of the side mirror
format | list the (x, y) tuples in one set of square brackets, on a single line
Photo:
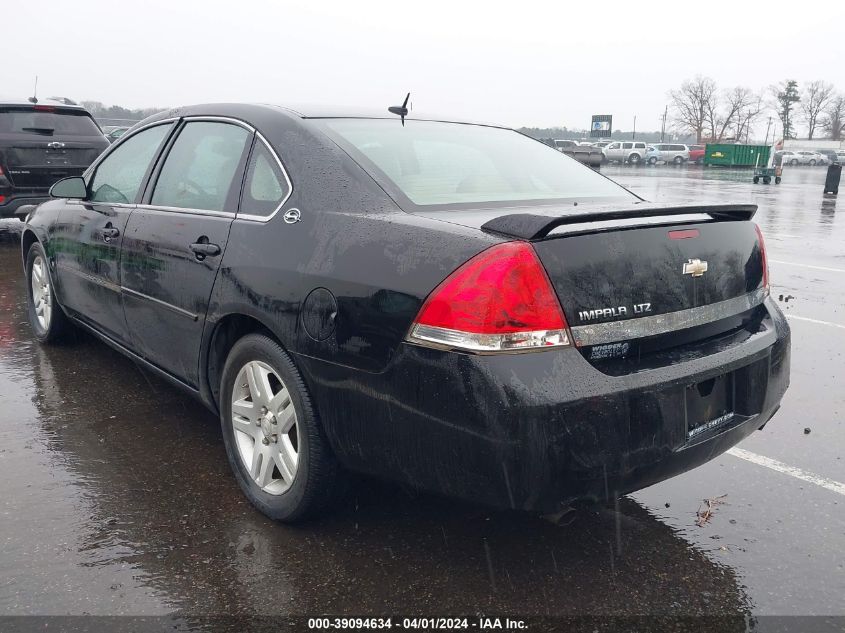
[(73, 187)]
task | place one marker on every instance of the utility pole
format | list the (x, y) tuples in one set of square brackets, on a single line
[(663, 126), (768, 127), (634, 133)]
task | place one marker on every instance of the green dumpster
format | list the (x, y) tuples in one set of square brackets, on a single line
[(730, 155)]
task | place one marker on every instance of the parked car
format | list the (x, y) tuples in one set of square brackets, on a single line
[(840, 157), (116, 132), (829, 155), (40, 143), (793, 158), (667, 153), (430, 305), (625, 152), (582, 152), (696, 153)]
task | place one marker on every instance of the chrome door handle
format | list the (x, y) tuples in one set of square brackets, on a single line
[(204, 249)]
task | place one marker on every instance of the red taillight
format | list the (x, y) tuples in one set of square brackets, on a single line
[(500, 300), (2, 199), (763, 256), (43, 108)]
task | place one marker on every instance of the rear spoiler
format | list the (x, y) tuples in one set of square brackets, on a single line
[(533, 226)]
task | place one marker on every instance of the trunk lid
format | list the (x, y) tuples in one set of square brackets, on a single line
[(638, 280)]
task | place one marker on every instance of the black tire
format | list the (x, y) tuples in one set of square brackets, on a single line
[(58, 325), (793, 162), (767, 180), (679, 160), (812, 162), (777, 180), (756, 179), (316, 479), (634, 159), (652, 161)]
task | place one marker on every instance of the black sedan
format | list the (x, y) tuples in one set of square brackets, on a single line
[(454, 306)]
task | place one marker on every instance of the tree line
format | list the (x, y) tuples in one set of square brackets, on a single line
[(703, 110), (101, 111)]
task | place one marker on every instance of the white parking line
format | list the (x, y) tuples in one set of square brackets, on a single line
[(809, 320), (827, 268), (786, 469)]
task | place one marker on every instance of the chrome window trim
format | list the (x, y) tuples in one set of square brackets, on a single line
[(267, 218), (185, 210), (615, 331)]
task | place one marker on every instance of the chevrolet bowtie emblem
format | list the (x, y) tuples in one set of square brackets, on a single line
[(695, 267)]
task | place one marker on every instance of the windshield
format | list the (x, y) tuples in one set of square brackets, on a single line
[(436, 163), (47, 122)]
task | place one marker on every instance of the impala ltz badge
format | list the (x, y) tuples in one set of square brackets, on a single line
[(695, 267), (292, 216)]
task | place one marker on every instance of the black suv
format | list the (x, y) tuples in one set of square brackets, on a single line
[(41, 143)]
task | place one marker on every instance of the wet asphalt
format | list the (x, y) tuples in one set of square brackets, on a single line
[(117, 498)]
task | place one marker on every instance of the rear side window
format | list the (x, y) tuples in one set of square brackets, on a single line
[(119, 176), (266, 186), (200, 168), (47, 121)]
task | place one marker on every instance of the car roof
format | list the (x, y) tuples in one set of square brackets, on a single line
[(246, 110)]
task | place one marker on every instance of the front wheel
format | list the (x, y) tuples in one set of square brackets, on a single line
[(652, 161), (274, 442), (812, 163), (756, 179), (777, 180), (793, 162), (48, 321)]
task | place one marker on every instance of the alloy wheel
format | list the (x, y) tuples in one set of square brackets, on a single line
[(265, 423), (41, 292)]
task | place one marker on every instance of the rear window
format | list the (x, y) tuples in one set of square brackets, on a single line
[(47, 122), (437, 163)]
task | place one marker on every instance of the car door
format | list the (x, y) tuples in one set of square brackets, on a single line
[(88, 237), (612, 151), (176, 238)]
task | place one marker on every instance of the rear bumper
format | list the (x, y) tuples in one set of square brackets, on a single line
[(537, 430), (13, 202)]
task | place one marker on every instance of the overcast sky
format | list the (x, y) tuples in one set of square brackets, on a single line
[(517, 63)]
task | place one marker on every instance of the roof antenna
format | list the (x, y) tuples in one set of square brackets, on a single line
[(34, 97), (401, 110)]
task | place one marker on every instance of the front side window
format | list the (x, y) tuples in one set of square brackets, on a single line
[(627, 145), (266, 186), (200, 168), (439, 163), (118, 178)]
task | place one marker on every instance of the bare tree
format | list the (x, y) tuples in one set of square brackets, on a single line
[(748, 113), (834, 118), (734, 115), (815, 98), (692, 105)]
